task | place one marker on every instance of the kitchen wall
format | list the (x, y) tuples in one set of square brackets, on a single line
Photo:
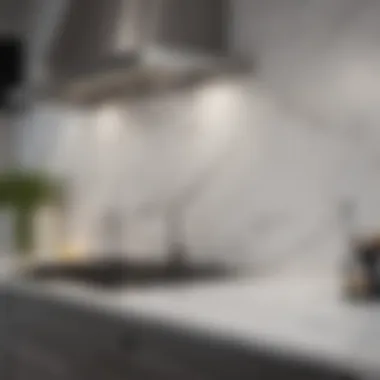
[(252, 182), (321, 56), (320, 60), (259, 164)]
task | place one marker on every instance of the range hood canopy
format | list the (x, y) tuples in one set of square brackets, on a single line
[(111, 48)]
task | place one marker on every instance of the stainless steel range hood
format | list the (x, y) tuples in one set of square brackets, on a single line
[(110, 48)]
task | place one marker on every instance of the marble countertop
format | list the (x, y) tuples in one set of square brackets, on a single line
[(304, 315)]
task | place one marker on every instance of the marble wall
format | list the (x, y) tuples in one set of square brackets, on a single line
[(259, 165)]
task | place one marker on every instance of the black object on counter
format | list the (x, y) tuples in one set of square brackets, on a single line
[(362, 275), (115, 273)]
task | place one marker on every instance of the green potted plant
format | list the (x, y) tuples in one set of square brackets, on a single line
[(24, 192)]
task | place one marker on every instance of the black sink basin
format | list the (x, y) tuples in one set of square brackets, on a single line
[(115, 273)]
